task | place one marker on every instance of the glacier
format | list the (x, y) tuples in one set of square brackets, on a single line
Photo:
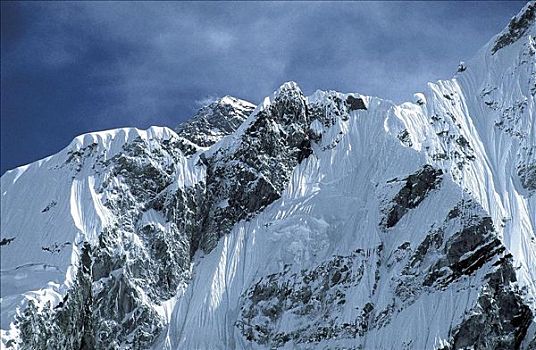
[(331, 221)]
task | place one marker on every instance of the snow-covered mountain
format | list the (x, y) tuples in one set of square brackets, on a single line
[(331, 221)]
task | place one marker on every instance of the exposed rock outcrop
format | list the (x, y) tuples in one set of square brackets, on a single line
[(413, 192)]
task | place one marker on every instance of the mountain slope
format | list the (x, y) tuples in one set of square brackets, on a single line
[(324, 221)]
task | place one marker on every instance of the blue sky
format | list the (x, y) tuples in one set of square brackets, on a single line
[(72, 67)]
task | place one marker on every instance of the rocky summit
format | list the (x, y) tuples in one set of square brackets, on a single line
[(329, 221)]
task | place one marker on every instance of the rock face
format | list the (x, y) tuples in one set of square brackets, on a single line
[(218, 119), (317, 294), (416, 187), (69, 324), (307, 307), (251, 173), (330, 221), (527, 175), (499, 320), (517, 27)]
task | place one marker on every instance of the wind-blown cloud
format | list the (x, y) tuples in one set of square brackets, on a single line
[(205, 101)]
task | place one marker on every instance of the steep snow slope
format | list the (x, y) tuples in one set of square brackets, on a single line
[(479, 128), (329, 221), (483, 130), (63, 195), (61, 208), (332, 210)]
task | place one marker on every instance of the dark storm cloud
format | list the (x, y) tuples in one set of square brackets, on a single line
[(70, 67)]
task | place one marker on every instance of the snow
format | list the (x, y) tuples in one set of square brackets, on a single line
[(316, 127), (337, 189), (235, 102), (331, 206), (325, 211), (419, 98), (79, 215)]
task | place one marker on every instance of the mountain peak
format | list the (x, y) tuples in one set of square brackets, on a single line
[(216, 120), (519, 25), (232, 101), (289, 88)]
